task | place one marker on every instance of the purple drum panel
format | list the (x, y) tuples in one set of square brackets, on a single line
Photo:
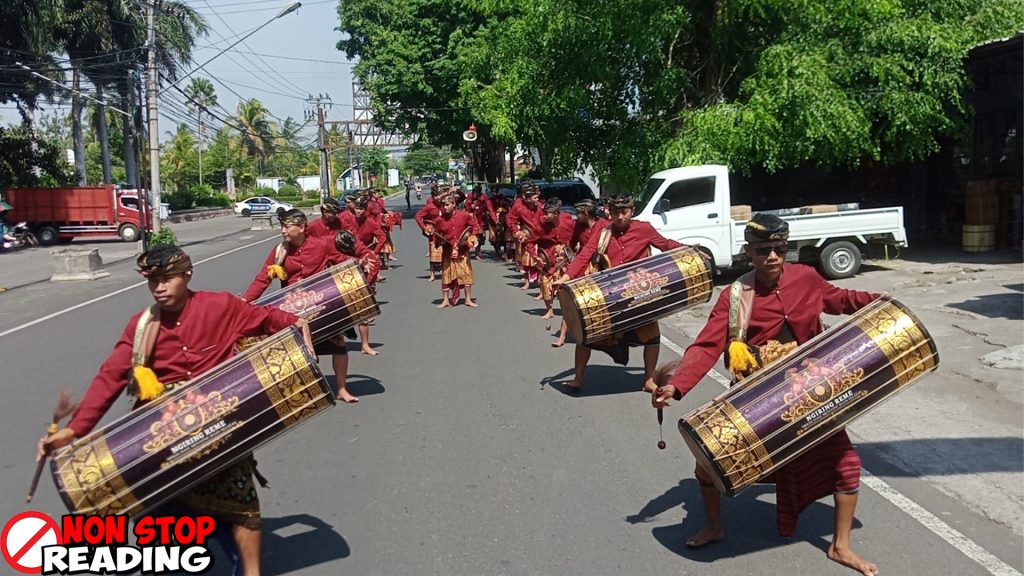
[(161, 449), (628, 296), (797, 401), (332, 301)]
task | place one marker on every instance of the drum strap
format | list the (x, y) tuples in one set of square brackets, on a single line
[(142, 381), (604, 240), (145, 335), (276, 270), (741, 304)]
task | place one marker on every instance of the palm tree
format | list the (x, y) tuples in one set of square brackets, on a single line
[(178, 159), (201, 97), (105, 38), (257, 132)]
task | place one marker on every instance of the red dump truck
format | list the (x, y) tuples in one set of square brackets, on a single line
[(62, 214)]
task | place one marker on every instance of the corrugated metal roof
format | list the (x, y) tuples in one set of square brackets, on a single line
[(993, 43)]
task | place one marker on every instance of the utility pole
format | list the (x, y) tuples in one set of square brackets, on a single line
[(154, 130), (321, 139)]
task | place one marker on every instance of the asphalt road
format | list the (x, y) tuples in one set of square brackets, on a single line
[(465, 456)]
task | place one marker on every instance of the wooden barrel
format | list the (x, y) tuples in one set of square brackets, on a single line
[(979, 238), (981, 203)]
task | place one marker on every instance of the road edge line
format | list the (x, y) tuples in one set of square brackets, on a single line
[(120, 291)]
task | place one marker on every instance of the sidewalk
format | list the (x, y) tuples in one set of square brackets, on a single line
[(28, 266)]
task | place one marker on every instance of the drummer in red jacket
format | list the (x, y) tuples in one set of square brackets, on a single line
[(628, 241), (459, 230), (786, 303), (297, 257), (198, 330)]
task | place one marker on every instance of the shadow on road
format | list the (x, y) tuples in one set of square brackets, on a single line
[(748, 520), (299, 542), (1009, 306), (599, 381), (943, 456), (358, 384)]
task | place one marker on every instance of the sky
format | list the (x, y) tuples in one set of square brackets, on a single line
[(282, 76), (297, 58)]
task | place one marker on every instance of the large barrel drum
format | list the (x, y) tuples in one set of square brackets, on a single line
[(332, 300), (160, 450), (794, 403), (631, 295)]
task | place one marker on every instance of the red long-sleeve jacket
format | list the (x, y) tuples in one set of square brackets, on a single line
[(315, 254), (799, 299), (520, 213), (190, 342), (370, 231), (549, 235), (430, 212), (452, 227), (628, 246)]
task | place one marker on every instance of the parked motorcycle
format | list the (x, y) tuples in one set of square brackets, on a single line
[(20, 236)]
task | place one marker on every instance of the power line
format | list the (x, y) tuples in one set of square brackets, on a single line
[(204, 13), (225, 22)]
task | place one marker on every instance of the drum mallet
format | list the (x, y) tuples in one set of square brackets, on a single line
[(63, 409), (661, 420)]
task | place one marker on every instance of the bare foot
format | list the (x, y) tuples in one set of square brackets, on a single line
[(572, 385), (470, 303), (848, 558), (705, 537), (347, 397), (558, 343), (548, 315), (444, 304), (526, 287), (538, 297), (431, 279), (369, 351)]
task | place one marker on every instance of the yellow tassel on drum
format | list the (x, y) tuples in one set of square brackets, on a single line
[(149, 387), (276, 271), (742, 361)]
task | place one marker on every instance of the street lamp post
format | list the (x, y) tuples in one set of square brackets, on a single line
[(151, 84)]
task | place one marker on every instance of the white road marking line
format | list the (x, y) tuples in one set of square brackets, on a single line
[(122, 290), (968, 547)]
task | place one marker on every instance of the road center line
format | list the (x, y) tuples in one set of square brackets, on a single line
[(965, 545), (122, 290)]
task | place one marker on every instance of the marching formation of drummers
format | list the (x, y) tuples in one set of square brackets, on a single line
[(612, 293)]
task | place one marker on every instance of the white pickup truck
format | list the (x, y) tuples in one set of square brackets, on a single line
[(692, 205)]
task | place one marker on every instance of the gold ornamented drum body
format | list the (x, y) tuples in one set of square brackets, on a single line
[(794, 403), (332, 301), (163, 448), (631, 295)]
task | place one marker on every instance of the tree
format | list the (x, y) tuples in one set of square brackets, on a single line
[(846, 81), (202, 96), (26, 161), (630, 86), (178, 162), (375, 162), (257, 137), (425, 159)]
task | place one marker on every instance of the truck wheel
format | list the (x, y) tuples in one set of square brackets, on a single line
[(129, 232), (47, 235), (246, 212), (840, 260)]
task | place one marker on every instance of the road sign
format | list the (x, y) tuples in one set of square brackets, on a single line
[(23, 540)]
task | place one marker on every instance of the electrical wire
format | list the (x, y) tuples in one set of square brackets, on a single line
[(300, 90)]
